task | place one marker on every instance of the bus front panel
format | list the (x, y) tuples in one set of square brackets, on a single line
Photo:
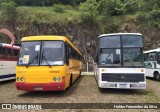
[(125, 78), (40, 78)]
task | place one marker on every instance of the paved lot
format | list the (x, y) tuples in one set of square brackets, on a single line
[(84, 90)]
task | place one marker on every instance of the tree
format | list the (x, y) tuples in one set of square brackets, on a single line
[(89, 10), (131, 6), (9, 10), (111, 7)]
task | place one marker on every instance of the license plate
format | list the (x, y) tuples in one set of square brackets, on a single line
[(38, 88), (123, 85)]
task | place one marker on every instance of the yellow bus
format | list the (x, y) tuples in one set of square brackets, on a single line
[(47, 63)]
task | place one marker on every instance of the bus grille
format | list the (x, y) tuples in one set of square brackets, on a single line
[(112, 77)]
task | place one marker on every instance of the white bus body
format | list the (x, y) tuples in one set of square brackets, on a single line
[(8, 61), (111, 71), (152, 63)]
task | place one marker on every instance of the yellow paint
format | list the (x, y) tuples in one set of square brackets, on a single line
[(45, 74)]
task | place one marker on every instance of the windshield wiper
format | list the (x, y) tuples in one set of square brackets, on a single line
[(43, 57), (30, 62)]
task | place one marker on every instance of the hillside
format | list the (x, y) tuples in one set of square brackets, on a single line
[(83, 22)]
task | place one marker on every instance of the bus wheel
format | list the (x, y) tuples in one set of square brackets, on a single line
[(156, 76), (70, 81)]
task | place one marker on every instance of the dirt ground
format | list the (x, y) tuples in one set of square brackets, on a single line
[(84, 90)]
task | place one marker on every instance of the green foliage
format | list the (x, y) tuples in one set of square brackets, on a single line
[(131, 6), (150, 13), (149, 5), (59, 8), (152, 18), (8, 10), (45, 2), (111, 7), (89, 11), (46, 14)]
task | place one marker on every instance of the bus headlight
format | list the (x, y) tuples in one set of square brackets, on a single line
[(103, 70), (17, 79), (142, 70), (20, 79), (57, 79)]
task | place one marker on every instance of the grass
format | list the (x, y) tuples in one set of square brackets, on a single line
[(47, 14)]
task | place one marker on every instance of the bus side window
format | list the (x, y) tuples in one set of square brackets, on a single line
[(14, 53), (2, 51), (72, 53), (152, 56), (145, 57), (7, 52), (158, 58), (69, 51)]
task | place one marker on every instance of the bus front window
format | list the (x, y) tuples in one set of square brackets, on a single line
[(110, 57), (133, 57), (132, 50), (110, 53), (29, 53), (132, 41), (52, 53)]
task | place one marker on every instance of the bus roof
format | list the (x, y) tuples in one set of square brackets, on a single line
[(49, 37), (153, 50), (10, 46), (111, 34)]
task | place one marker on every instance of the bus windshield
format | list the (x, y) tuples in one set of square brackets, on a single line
[(125, 50), (132, 41), (133, 57), (52, 53), (41, 53)]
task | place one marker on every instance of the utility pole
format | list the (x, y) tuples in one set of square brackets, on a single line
[(18, 38)]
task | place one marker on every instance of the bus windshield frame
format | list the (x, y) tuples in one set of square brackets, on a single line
[(42, 53), (118, 51)]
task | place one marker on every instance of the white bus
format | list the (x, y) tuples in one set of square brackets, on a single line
[(119, 61), (152, 63), (8, 61)]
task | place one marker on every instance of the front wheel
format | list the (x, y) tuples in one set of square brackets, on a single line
[(156, 76)]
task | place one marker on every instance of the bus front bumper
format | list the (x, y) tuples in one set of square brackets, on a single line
[(58, 86), (122, 85)]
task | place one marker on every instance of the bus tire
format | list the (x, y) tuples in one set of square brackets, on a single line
[(156, 76)]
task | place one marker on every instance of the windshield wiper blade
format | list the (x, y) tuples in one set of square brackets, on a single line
[(46, 60), (30, 62)]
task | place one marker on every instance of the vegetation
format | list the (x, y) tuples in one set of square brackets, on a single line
[(8, 10), (44, 2), (58, 8), (81, 20)]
